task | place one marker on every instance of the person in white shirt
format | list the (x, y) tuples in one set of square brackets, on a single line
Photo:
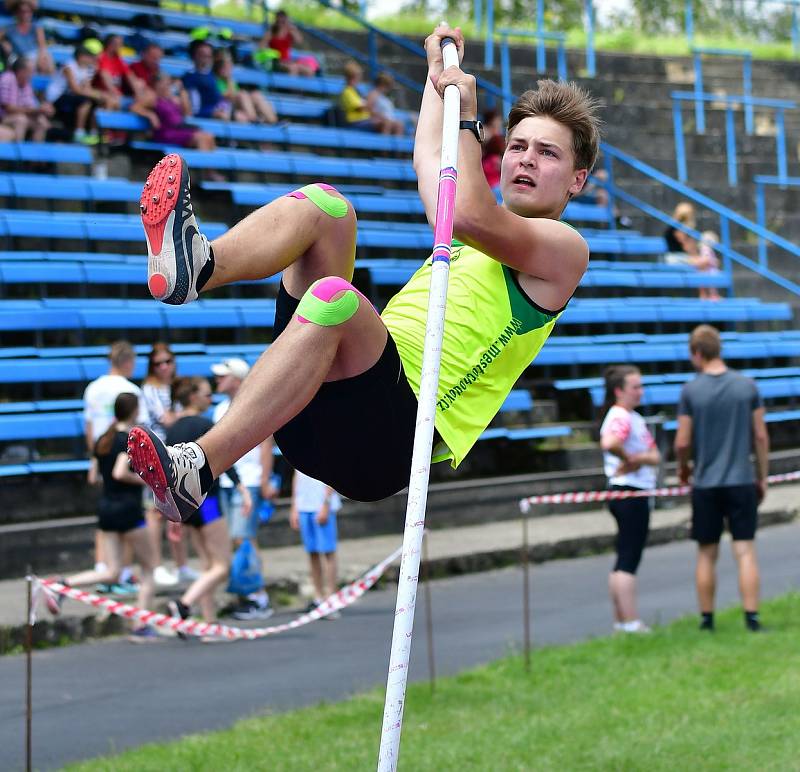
[(630, 460), (98, 413), (255, 472), (313, 513)]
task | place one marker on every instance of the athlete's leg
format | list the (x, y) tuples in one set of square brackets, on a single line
[(749, 581), (313, 228), (706, 576)]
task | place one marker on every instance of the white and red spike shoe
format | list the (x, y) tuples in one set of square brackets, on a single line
[(176, 250)]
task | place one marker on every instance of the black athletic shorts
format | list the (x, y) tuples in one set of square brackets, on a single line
[(356, 434), (120, 515), (633, 523), (712, 507)]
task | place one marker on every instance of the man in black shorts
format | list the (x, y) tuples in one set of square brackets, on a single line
[(720, 420)]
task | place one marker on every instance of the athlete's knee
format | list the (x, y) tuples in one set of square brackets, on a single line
[(329, 302), (325, 197)]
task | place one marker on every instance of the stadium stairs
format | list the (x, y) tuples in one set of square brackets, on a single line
[(72, 280)]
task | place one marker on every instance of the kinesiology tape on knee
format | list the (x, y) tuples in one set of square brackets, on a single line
[(317, 193), (316, 305)]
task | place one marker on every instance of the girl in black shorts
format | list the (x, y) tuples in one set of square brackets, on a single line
[(630, 459), (120, 513), (209, 530)]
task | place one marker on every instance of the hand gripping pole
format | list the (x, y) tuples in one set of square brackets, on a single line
[(423, 438)]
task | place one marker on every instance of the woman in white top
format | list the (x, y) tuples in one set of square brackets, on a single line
[(630, 460), (164, 411)]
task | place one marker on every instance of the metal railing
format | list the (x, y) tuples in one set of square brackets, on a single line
[(778, 105), (762, 180), (747, 83)]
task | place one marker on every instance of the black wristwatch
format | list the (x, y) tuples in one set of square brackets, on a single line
[(476, 127)]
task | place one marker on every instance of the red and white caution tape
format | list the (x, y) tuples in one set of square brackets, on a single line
[(582, 497), (339, 600)]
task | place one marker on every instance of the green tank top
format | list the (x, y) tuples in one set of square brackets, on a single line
[(492, 332)]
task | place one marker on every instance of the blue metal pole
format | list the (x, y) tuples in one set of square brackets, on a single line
[(699, 104), (505, 74), (362, 4), (761, 219), (690, 22), (477, 13), (608, 163), (591, 68), (725, 238), (372, 48), (562, 61), (780, 141), (795, 31), (730, 141), (677, 127), (747, 87), (541, 65), (488, 53)]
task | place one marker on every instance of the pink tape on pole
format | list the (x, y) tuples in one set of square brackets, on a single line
[(445, 211)]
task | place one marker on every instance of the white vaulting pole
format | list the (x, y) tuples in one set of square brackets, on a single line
[(423, 437)]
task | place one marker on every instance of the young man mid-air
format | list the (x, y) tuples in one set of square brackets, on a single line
[(338, 387)]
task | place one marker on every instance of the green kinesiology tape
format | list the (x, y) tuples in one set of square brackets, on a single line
[(335, 207), (325, 312)]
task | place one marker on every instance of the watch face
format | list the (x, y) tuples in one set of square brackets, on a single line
[(481, 133)]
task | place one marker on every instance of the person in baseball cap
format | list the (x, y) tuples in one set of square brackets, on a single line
[(238, 368), (255, 471)]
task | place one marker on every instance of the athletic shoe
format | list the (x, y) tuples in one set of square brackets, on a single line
[(707, 625), (164, 577), (176, 250), (635, 627), (123, 588), (103, 589), (179, 611), (252, 610), (187, 574), (144, 634), (312, 606), (171, 471)]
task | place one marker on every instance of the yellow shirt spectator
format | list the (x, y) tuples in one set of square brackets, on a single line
[(353, 105)]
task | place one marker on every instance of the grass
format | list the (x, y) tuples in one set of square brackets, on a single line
[(415, 23), (675, 700)]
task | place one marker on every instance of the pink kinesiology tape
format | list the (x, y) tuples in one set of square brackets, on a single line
[(326, 288)]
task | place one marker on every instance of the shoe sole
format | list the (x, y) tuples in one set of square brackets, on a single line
[(150, 460), (168, 273)]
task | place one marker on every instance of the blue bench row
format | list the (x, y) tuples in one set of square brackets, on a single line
[(49, 152), (777, 416)]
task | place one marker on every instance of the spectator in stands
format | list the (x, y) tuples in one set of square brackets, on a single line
[(209, 531), (75, 99), (282, 36), (115, 77), (25, 38), (720, 421), (313, 513), (149, 65), (678, 241), (98, 414), (630, 458), (494, 145), (120, 514), (168, 117), (708, 262), (201, 84), (380, 104), (248, 106), (21, 110), (163, 411), (355, 111), (254, 470)]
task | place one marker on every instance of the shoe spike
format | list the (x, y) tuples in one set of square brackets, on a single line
[(143, 208), (170, 192), (172, 162), (155, 199)]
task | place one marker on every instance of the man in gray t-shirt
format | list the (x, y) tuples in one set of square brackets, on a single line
[(720, 421)]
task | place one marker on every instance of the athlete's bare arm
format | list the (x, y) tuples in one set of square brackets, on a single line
[(550, 256)]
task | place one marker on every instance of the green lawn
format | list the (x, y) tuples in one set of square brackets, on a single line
[(676, 700)]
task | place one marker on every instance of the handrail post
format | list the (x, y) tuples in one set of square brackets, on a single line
[(477, 13), (780, 142), (505, 73), (761, 219), (562, 61), (689, 22), (608, 163), (795, 31), (747, 87), (725, 238), (541, 65), (488, 48), (677, 127), (591, 66), (699, 104), (730, 143)]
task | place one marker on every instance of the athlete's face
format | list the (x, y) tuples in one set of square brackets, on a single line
[(538, 172)]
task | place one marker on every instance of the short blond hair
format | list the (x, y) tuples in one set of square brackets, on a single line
[(569, 105), (121, 353), (705, 341), (352, 69)]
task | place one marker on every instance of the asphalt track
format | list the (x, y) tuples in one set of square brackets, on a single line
[(101, 697)]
